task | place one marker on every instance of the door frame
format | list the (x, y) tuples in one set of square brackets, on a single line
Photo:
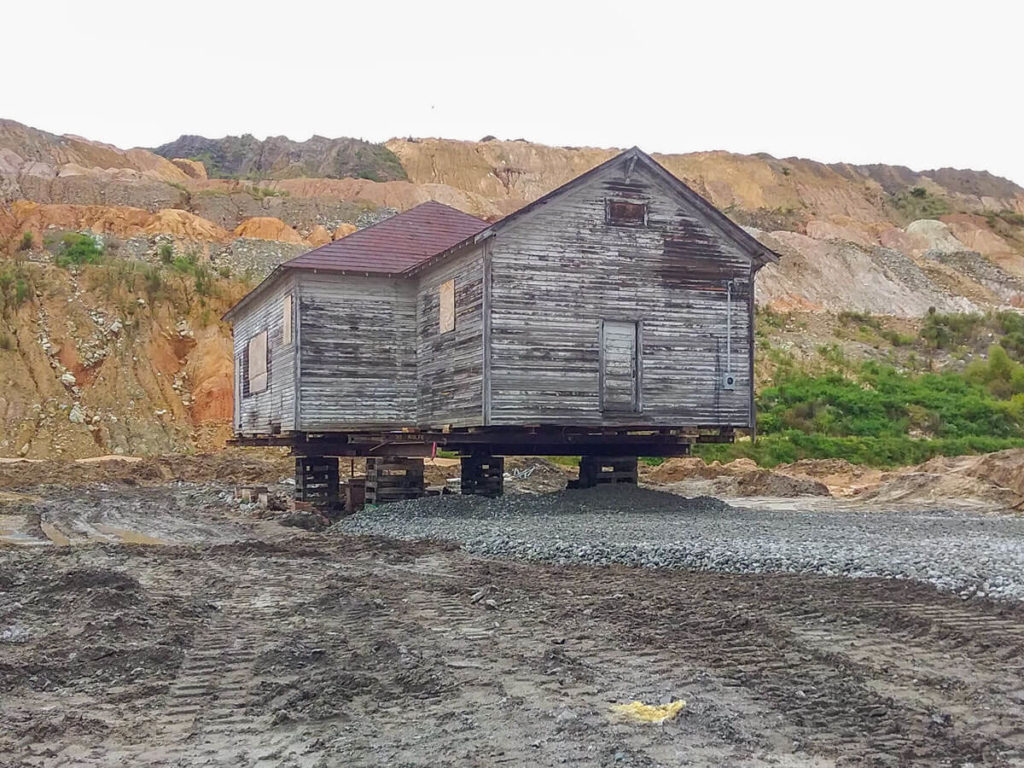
[(638, 401)]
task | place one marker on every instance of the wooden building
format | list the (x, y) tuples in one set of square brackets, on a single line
[(611, 317)]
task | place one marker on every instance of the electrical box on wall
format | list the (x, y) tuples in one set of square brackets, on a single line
[(729, 381)]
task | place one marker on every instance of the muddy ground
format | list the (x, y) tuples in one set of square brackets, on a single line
[(224, 638)]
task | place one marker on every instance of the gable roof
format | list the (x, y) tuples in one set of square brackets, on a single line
[(394, 244), (761, 254), (408, 242)]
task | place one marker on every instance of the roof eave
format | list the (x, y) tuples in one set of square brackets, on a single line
[(428, 262), (243, 302)]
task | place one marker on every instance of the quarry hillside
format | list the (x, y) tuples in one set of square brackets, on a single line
[(112, 342)]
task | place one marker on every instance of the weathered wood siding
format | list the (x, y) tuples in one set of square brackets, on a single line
[(559, 270), (358, 352), (450, 365), (272, 410)]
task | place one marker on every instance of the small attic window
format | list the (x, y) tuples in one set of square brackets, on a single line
[(624, 213)]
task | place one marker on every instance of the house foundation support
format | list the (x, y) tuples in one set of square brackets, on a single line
[(316, 480), (393, 479), (606, 470), (483, 475)]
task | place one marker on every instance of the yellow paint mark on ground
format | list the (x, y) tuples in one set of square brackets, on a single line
[(649, 713)]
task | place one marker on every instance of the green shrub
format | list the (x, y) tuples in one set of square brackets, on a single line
[(15, 287), (918, 203), (876, 402), (166, 253), (27, 241), (77, 249), (184, 264), (896, 338), (950, 331)]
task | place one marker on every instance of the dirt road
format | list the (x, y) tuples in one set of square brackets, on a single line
[(322, 650)]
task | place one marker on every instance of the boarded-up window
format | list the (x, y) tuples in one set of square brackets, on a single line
[(446, 306), (623, 213), (257, 359), (286, 321)]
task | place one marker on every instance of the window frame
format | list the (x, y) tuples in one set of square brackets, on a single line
[(248, 389), (611, 202)]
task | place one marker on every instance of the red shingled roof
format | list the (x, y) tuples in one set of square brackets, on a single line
[(395, 244)]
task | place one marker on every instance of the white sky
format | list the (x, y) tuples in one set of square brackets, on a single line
[(922, 84)]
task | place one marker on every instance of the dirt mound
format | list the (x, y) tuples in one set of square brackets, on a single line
[(318, 236), (173, 221), (343, 230), (994, 479), (840, 476), (89, 626), (533, 474), (123, 221), (741, 477), (763, 482), (268, 228)]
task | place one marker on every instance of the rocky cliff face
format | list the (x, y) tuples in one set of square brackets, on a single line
[(129, 355), (278, 157)]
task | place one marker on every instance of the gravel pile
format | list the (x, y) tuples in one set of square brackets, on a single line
[(956, 551)]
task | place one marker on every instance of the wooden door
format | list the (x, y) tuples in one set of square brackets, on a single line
[(620, 366)]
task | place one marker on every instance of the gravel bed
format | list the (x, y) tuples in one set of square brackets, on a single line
[(966, 553)]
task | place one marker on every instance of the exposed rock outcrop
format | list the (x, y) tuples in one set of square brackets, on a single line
[(278, 157), (192, 168)]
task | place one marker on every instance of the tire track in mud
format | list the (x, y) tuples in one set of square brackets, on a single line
[(556, 692), (204, 717), (832, 703), (776, 670), (956, 665)]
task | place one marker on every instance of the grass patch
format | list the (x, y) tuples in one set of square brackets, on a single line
[(882, 452)]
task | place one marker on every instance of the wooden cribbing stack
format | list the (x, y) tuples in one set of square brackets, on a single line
[(606, 470), (393, 479), (316, 480), (483, 475)]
